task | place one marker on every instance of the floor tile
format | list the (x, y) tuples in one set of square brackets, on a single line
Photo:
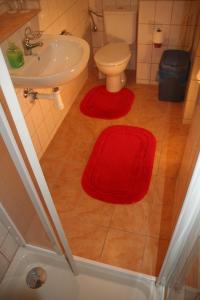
[(124, 250), (65, 198), (160, 221), (154, 254), (131, 218), (93, 211), (130, 236), (85, 239)]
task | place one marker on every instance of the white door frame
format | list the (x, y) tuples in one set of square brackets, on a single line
[(17, 116), (185, 235)]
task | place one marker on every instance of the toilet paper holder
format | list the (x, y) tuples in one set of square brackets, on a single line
[(158, 38)]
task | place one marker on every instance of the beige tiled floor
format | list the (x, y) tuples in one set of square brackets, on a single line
[(131, 236)]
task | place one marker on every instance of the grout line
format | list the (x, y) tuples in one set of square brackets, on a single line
[(142, 262), (139, 234), (6, 258), (61, 15), (109, 225), (103, 246)]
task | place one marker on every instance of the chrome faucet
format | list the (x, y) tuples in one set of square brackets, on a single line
[(31, 35), (29, 46)]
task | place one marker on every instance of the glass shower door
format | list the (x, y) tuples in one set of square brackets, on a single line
[(188, 288), (180, 271), (22, 152)]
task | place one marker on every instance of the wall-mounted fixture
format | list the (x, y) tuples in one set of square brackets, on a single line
[(55, 96), (31, 35), (91, 13), (158, 38)]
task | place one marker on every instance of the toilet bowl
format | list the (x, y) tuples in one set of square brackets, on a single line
[(112, 60)]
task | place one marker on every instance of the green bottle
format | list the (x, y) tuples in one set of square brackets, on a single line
[(15, 56)]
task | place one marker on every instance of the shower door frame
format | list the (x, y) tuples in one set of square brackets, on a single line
[(176, 245), (58, 239), (185, 237)]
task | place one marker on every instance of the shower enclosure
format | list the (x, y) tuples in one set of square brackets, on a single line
[(30, 217)]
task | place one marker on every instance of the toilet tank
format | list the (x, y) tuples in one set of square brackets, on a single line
[(120, 25)]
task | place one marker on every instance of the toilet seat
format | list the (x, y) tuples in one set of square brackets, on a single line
[(113, 54)]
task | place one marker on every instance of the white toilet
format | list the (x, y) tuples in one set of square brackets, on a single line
[(113, 58)]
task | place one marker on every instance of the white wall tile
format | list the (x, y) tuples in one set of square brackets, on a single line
[(157, 54), (163, 12), (195, 68), (177, 35), (147, 12), (108, 3), (36, 114), (189, 35), (43, 135), (198, 49), (37, 145), (30, 125), (97, 39), (180, 12), (4, 264), (92, 4), (144, 53), (189, 110), (3, 233), (154, 73), (143, 71), (194, 10), (145, 34), (96, 5), (193, 90), (142, 81), (9, 247), (122, 3), (196, 44)]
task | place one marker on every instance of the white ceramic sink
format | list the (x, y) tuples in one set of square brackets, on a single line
[(59, 60)]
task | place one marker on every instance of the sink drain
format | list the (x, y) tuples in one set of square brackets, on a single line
[(36, 277)]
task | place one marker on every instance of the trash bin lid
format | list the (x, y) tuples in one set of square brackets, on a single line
[(175, 58)]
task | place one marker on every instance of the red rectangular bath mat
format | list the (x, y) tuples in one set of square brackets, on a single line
[(120, 166)]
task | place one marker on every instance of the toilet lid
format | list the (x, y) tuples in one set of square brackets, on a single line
[(112, 54)]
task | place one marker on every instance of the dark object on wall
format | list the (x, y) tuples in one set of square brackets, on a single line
[(173, 74)]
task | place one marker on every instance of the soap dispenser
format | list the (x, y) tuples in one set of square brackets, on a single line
[(15, 56)]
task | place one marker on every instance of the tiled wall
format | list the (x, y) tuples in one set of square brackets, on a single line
[(8, 248), (99, 38), (193, 86), (176, 19), (42, 117), (6, 5)]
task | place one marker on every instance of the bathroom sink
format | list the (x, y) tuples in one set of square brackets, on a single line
[(59, 60)]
